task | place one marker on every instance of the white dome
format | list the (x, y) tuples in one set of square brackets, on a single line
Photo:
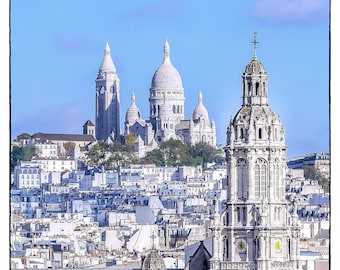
[(107, 63), (133, 112), (200, 111), (166, 76)]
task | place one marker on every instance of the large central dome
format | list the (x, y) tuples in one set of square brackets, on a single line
[(166, 76)]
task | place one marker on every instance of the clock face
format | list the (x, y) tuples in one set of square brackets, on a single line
[(278, 245), (241, 245)]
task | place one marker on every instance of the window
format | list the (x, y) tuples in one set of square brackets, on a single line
[(257, 88), (242, 175), (260, 178), (260, 133)]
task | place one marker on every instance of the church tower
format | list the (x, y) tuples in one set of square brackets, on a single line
[(166, 98), (107, 99), (258, 228)]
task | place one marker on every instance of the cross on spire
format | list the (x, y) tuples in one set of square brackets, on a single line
[(255, 42), (153, 239)]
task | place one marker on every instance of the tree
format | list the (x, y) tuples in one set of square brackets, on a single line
[(310, 172), (156, 156), (110, 155), (19, 153), (313, 173), (175, 153), (69, 148), (130, 139)]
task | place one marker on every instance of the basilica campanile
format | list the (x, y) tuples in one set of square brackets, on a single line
[(107, 100), (258, 228)]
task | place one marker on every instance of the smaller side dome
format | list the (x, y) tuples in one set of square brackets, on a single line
[(200, 111), (107, 63), (254, 66), (133, 112)]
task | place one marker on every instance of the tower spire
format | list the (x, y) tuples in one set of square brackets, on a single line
[(133, 98), (255, 42), (107, 49), (166, 51), (153, 240)]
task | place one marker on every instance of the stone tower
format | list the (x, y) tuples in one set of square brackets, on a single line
[(166, 98), (258, 228), (107, 99)]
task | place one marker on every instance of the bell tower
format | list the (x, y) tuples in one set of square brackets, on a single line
[(107, 99), (259, 228)]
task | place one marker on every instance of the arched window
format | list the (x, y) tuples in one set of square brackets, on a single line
[(260, 179), (242, 181), (260, 133), (249, 88), (174, 108), (241, 133), (257, 85)]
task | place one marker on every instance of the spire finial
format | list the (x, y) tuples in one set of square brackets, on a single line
[(107, 49), (255, 42), (166, 50), (133, 98), (200, 97), (153, 240)]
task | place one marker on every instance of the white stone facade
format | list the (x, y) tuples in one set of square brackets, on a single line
[(256, 229), (166, 120), (107, 100)]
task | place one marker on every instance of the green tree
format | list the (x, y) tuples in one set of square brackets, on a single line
[(175, 153), (156, 156), (19, 153), (311, 172), (69, 148), (130, 139), (110, 155), (207, 153)]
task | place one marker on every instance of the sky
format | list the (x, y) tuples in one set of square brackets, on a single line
[(51, 51), (56, 48)]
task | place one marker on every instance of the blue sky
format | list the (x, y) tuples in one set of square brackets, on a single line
[(57, 47)]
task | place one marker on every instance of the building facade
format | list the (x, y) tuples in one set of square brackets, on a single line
[(166, 117), (257, 229)]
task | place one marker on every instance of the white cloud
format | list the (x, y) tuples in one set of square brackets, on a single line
[(295, 11)]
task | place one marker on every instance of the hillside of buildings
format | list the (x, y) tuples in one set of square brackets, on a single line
[(88, 204)]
